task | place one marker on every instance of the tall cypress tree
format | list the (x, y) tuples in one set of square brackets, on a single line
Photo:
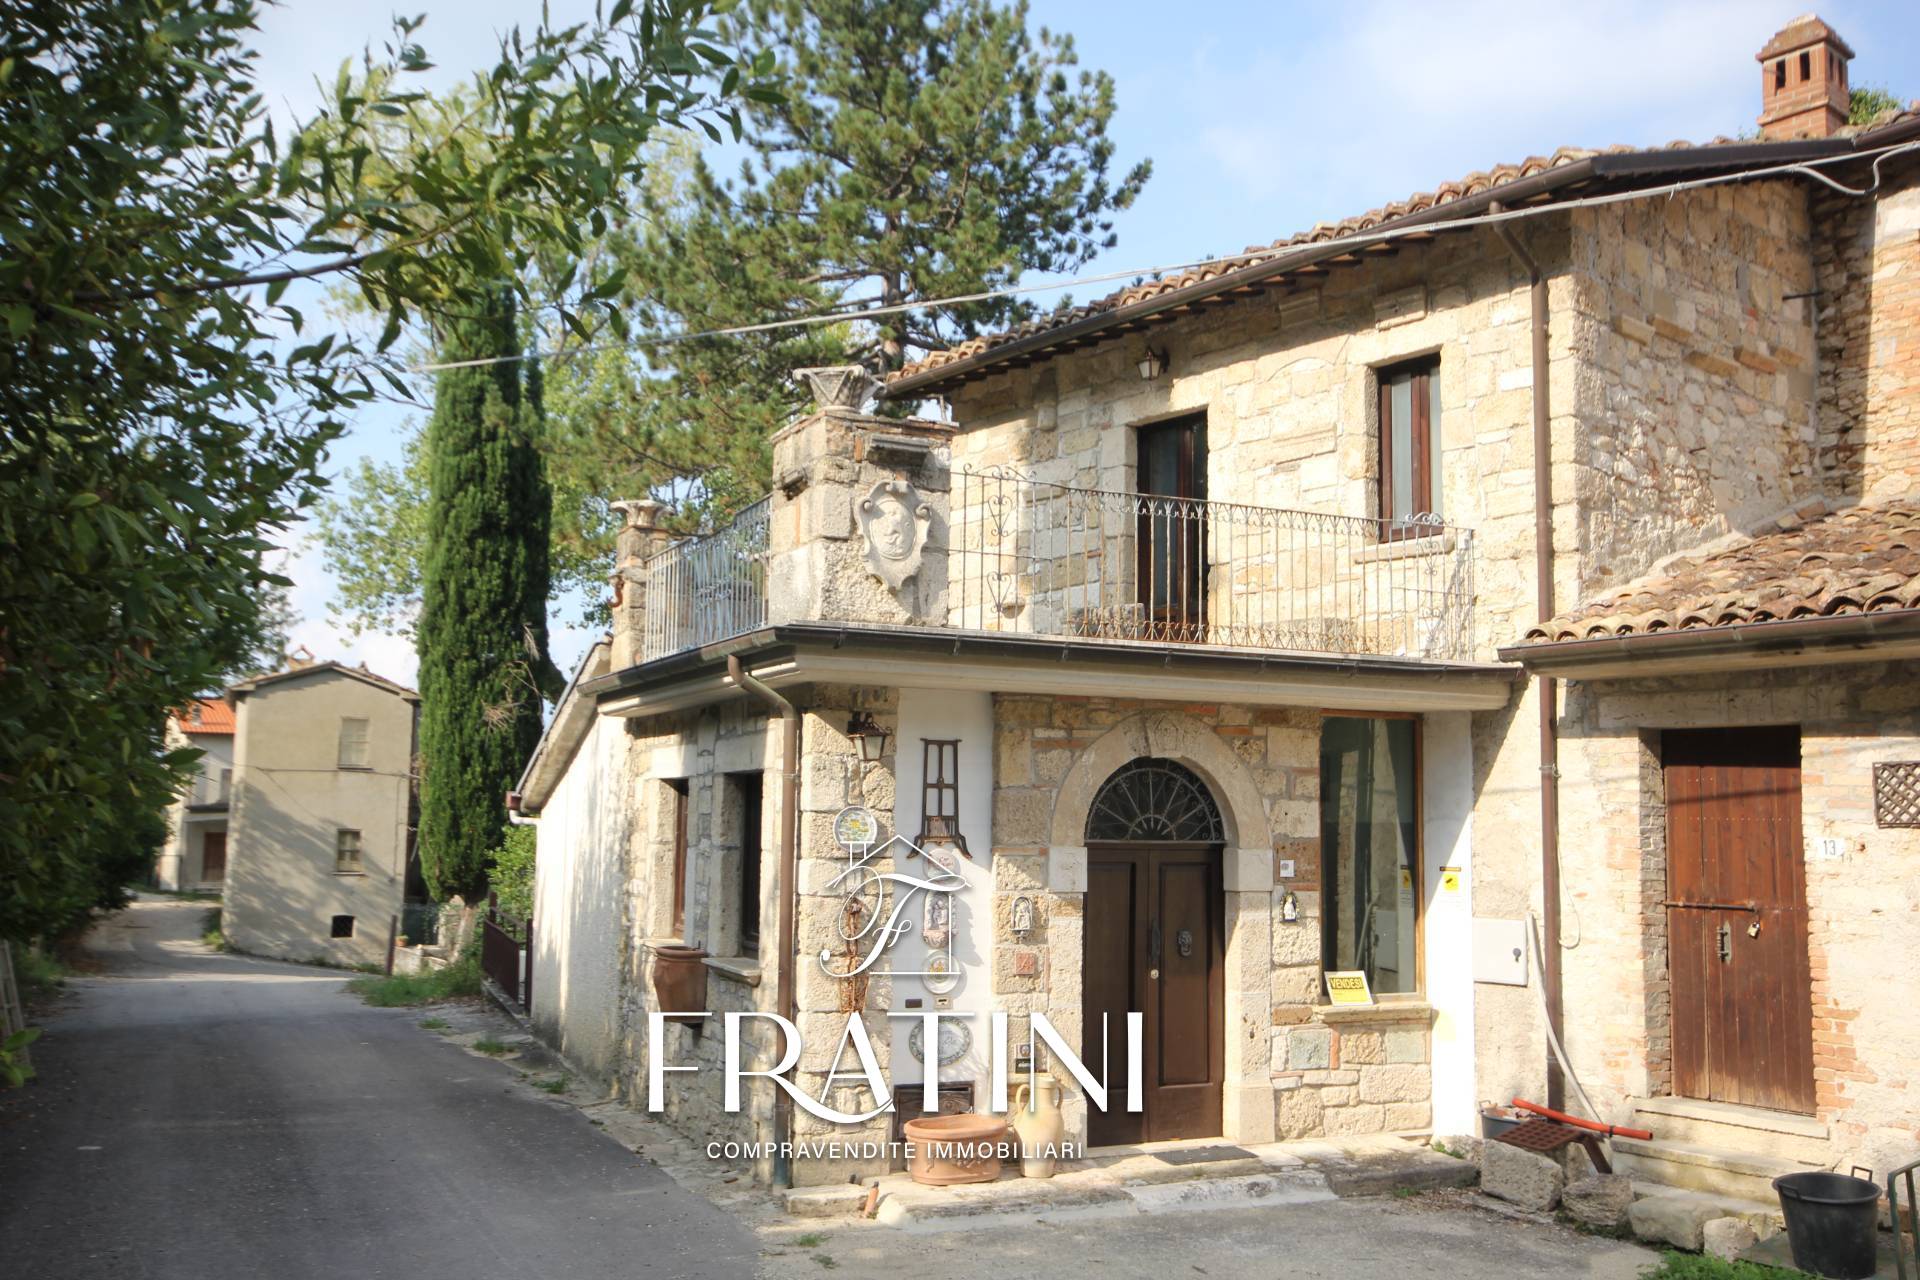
[(482, 637)]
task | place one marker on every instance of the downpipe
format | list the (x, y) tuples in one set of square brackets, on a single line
[(784, 979), (1546, 687)]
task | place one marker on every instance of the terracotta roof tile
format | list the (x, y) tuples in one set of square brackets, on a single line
[(1447, 193), (1860, 560), (206, 715)]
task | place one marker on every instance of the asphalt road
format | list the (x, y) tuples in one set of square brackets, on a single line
[(210, 1117)]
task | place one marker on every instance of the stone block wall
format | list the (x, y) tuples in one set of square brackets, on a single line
[(1867, 254), (1289, 1071), (1863, 898), (1287, 382)]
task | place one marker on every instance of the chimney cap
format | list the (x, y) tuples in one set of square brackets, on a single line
[(1806, 30)]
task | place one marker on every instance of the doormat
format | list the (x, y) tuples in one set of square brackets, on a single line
[(1202, 1155)]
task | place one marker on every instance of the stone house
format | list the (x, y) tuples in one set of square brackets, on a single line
[(1509, 595), (320, 846), (194, 856)]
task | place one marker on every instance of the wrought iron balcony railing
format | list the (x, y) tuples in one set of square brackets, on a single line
[(708, 588), (1049, 559), (1018, 555)]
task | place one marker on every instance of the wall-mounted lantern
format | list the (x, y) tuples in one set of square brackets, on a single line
[(1152, 364), (868, 736)]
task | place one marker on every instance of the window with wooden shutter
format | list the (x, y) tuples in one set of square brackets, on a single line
[(1410, 448), (353, 743)]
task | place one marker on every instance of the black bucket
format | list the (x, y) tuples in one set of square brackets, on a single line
[(1833, 1223)]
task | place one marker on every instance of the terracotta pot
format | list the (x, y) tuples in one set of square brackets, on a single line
[(948, 1150), (679, 979), (1040, 1127)]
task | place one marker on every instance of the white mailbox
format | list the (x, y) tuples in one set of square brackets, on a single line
[(1500, 952)]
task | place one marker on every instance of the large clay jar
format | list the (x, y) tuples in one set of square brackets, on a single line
[(948, 1150), (1040, 1126), (679, 979)]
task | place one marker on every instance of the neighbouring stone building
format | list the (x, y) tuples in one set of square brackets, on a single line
[(1199, 651), (320, 842)]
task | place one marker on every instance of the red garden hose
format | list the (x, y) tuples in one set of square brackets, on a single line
[(1612, 1131)]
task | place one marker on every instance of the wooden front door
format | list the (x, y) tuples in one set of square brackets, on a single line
[(1155, 945), (213, 856), (1737, 918)]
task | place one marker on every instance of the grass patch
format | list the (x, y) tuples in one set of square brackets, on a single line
[(461, 978), (1700, 1266), (38, 974), (825, 1260), (433, 1024), (811, 1240), (210, 934), (558, 1085), (491, 1047)]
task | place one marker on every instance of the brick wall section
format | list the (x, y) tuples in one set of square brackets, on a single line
[(1868, 260), (1864, 905)]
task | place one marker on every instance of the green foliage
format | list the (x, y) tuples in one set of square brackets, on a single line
[(928, 148), (1674, 1265), (459, 979), (211, 932), (36, 973), (921, 148), (511, 875), (163, 407), (15, 1068), (492, 1047), (1868, 101), (558, 1085), (482, 637), (433, 1024)]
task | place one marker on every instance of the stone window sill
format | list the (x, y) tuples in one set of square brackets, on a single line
[(1385, 1011), (1432, 544), (743, 969), (349, 873)]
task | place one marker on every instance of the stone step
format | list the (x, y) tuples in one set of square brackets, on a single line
[(1740, 1174), (1721, 1125), (1663, 1215)]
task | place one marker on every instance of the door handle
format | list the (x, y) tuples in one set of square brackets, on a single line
[(1724, 937)]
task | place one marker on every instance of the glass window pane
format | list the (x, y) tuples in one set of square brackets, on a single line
[(1370, 872), (1401, 394)]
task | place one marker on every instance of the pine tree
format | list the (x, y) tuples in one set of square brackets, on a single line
[(482, 637), (924, 149)]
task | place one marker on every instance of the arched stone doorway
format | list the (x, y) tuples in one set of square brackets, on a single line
[(1156, 945), (1243, 887)]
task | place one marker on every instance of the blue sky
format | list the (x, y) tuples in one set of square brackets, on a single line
[(1260, 119)]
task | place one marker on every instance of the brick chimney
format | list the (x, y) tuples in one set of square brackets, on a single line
[(1803, 81)]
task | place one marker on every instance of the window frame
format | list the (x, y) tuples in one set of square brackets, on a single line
[(365, 761), (681, 792), (341, 867), (751, 788), (1423, 467), (1329, 883)]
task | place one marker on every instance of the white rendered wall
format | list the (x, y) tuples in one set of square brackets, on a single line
[(1447, 813)]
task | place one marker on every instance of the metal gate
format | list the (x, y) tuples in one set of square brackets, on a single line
[(506, 953)]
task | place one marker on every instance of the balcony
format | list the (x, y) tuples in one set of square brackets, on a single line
[(1008, 554), (210, 794)]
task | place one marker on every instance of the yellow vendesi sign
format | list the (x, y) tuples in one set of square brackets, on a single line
[(1348, 988), (1450, 879)]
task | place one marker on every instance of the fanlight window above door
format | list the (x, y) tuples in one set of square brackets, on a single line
[(1154, 799)]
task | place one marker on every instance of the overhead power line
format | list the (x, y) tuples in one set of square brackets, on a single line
[(1802, 168)]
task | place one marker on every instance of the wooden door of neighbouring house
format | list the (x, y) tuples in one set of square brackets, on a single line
[(213, 856), (1737, 918), (1155, 944)]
